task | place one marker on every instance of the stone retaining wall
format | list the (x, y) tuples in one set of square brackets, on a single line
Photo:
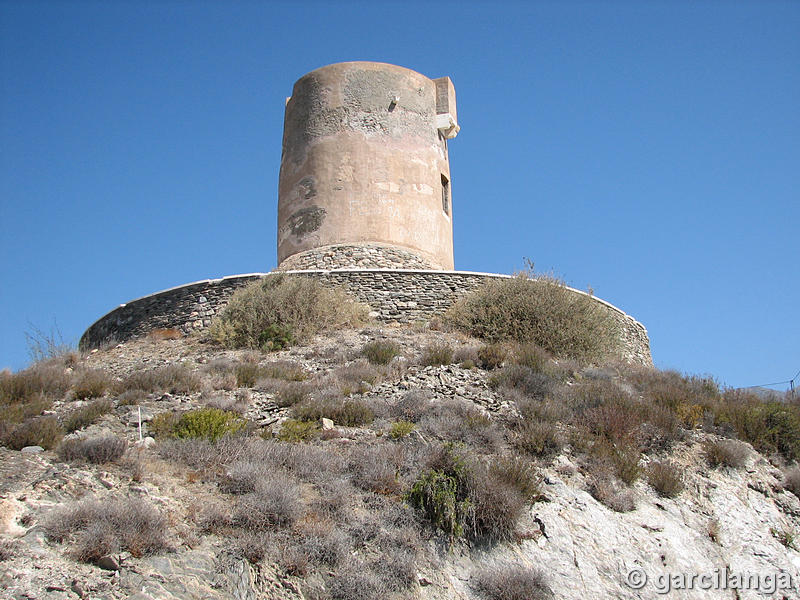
[(392, 294)]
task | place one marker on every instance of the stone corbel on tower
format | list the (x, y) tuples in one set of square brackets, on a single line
[(446, 118)]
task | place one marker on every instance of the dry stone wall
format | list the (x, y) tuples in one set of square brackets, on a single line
[(402, 295)]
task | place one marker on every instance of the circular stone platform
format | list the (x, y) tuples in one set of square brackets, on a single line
[(403, 295)]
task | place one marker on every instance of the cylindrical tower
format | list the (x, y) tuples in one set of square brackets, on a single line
[(365, 176)]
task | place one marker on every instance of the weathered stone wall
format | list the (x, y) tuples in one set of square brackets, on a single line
[(355, 256), (392, 294)]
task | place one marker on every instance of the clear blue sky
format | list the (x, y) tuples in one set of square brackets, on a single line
[(650, 150)]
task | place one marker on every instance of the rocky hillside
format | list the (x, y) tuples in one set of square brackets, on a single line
[(387, 462)]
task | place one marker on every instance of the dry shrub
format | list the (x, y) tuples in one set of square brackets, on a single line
[(174, 379), (512, 582), (96, 450), (728, 453), (532, 356), (492, 356), (292, 392), (286, 370), (273, 502), (466, 356), (11, 414), (611, 493), (88, 414), (238, 402), (455, 420), (318, 543), (380, 352), (101, 528), (411, 407), (375, 468), (348, 412), (356, 377), (282, 308), (531, 383), (436, 354), (538, 438), (540, 310), (665, 478), (91, 383), (42, 380), (39, 431), (397, 570), (770, 426), (131, 398), (792, 480), (356, 583)]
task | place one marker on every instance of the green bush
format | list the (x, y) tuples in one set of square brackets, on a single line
[(293, 430), (380, 352), (401, 429), (541, 310), (208, 423), (274, 311), (435, 495)]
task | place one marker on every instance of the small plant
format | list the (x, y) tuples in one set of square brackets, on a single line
[(529, 382), (97, 450), (401, 429), (713, 530), (246, 374), (612, 494), (293, 430), (275, 337), (785, 536), (728, 453), (163, 424), (91, 383), (512, 582), (665, 478), (39, 431), (292, 392), (435, 495), (532, 356), (538, 439), (208, 423), (438, 353), (792, 480), (380, 352), (86, 415), (492, 356)]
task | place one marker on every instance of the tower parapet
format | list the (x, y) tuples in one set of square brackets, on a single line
[(365, 172)]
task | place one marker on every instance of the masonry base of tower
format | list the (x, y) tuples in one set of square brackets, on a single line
[(357, 256), (393, 295)]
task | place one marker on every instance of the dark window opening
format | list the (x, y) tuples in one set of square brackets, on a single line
[(445, 195)]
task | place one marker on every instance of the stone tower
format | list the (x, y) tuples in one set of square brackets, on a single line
[(365, 174)]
